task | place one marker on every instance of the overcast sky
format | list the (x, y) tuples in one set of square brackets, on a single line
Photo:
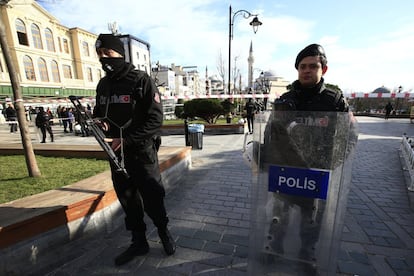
[(368, 43)]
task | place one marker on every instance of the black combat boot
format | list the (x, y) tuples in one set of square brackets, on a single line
[(167, 241), (138, 247)]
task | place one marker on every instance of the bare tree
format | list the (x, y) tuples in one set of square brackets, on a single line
[(235, 73), (221, 67)]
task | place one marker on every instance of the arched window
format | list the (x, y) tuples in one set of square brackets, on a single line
[(29, 68), (65, 45), (60, 45), (89, 73), (50, 42), (85, 48), (55, 71), (21, 32), (37, 39), (41, 63), (67, 71), (99, 74)]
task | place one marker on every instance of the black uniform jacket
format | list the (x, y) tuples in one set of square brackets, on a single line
[(318, 98), (130, 101)]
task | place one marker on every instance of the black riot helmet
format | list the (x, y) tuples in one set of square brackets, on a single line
[(310, 51)]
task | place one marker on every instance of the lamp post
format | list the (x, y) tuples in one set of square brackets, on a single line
[(255, 24), (400, 88), (266, 88)]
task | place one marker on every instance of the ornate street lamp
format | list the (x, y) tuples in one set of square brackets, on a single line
[(397, 105), (255, 24)]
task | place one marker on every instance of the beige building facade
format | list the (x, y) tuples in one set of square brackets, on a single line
[(50, 59)]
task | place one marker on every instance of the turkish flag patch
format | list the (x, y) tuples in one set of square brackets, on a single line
[(125, 99)]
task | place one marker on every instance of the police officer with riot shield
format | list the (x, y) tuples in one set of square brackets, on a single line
[(304, 140)]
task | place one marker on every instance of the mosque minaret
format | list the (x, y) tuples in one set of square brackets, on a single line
[(250, 61)]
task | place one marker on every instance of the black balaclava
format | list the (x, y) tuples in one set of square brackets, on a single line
[(111, 65)]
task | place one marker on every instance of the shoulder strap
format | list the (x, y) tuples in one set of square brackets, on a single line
[(134, 77)]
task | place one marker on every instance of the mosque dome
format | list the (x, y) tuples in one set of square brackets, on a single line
[(270, 74), (381, 89), (215, 78)]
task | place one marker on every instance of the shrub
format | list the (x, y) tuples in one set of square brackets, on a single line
[(206, 109)]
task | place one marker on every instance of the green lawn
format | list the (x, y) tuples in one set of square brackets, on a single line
[(56, 172)]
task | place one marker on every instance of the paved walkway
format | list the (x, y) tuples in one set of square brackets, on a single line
[(209, 214)]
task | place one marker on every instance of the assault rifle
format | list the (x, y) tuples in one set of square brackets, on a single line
[(99, 135)]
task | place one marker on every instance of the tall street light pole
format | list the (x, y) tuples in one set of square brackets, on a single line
[(255, 24)]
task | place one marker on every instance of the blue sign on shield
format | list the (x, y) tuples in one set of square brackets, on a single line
[(297, 181)]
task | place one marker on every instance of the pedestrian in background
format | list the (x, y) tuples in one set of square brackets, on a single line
[(129, 106), (251, 109), (71, 119), (43, 123), (11, 117), (81, 126), (64, 116), (50, 113), (388, 109)]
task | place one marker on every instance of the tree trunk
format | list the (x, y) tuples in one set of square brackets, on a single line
[(31, 162)]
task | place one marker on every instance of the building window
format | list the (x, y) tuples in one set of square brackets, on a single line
[(65, 45), (55, 71), (60, 45), (21, 32), (89, 72), (85, 48), (29, 68), (99, 74), (137, 55), (50, 43), (1, 67), (37, 40), (67, 72), (41, 63)]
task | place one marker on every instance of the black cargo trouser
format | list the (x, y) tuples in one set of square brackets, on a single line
[(46, 128), (144, 190), (13, 125)]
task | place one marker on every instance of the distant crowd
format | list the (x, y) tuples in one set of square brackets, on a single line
[(66, 117)]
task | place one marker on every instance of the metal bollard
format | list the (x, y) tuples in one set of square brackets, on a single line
[(187, 141)]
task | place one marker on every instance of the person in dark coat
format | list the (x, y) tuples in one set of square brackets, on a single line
[(129, 107), (11, 116), (43, 122), (250, 108), (388, 109)]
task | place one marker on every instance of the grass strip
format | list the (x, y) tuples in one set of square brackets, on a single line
[(56, 172)]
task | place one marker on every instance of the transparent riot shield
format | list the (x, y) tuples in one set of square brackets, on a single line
[(302, 172)]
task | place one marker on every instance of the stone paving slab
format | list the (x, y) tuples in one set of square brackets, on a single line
[(375, 234), (210, 212)]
